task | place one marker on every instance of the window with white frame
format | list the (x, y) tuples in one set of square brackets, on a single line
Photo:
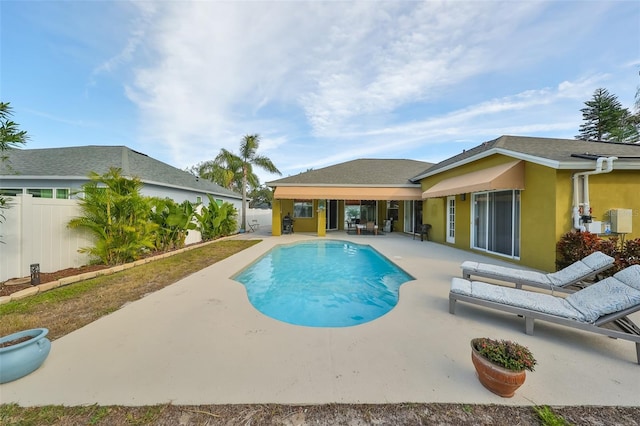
[(303, 208), (496, 222), (59, 193), (63, 193), (40, 192)]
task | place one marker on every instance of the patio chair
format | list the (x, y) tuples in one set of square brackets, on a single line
[(559, 281), (372, 228), (423, 231), (600, 308)]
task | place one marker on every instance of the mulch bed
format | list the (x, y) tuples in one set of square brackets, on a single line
[(6, 288)]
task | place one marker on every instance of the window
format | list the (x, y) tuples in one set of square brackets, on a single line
[(368, 211), (360, 211), (62, 194), (496, 222), (351, 211), (10, 192), (393, 207), (199, 199), (303, 208), (451, 220), (40, 193)]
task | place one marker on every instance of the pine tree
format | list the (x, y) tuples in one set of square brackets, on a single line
[(606, 120)]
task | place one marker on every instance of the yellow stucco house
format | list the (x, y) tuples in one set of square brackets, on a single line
[(512, 197), (339, 197)]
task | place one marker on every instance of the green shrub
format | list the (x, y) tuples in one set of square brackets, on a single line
[(117, 216), (575, 245)]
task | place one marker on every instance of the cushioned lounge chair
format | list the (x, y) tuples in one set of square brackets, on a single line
[(600, 308), (558, 281)]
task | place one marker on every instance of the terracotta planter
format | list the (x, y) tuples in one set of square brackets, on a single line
[(20, 359), (497, 379)]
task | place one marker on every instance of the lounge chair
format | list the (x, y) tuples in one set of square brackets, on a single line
[(600, 308), (560, 281)]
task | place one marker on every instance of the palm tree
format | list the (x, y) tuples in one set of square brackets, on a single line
[(226, 170), (10, 137), (248, 148), (117, 216)]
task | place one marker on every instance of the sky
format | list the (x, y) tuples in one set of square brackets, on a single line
[(321, 82)]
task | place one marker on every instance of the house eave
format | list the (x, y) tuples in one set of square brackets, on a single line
[(145, 181), (333, 185), (554, 164)]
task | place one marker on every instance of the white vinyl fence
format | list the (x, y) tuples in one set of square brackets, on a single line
[(35, 232), (261, 217)]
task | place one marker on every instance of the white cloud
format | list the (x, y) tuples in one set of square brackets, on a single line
[(329, 81)]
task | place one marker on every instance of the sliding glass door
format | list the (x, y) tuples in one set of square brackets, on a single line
[(496, 222), (412, 216)]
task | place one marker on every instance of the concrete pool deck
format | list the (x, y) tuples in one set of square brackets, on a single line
[(200, 341)]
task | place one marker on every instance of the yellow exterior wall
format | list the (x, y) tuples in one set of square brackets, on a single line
[(306, 224), (546, 204), (433, 213), (276, 215), (564, 202), (538, 218), (616, 190), (538, 224), (463, 221)]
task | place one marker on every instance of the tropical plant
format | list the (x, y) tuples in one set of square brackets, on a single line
[(235, 172), (225, 170), (260, 196), (248, 152), (505, 353), (173, 222), (10, 137), (216, 220), (117, 216), (576, 245)]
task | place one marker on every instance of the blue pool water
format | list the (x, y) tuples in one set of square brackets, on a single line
[(326, 283)]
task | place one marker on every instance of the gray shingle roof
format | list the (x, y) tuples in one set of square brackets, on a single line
[(362, 172), (78, 162), (560, 152)]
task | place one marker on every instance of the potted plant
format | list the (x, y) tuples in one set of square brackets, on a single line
[(22, 352), (501, 364)]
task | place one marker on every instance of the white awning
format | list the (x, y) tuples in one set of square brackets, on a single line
[(505, 176)]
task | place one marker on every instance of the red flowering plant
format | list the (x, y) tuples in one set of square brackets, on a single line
[(505, 353)]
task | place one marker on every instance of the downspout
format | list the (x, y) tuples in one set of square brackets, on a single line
[(585, 217)]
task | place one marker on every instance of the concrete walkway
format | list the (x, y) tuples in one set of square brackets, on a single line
[(200, 341)]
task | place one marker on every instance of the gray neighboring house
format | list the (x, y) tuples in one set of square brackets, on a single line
[(43, 184), (59, 172)]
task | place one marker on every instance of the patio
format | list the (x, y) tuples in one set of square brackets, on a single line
[(201, 342)]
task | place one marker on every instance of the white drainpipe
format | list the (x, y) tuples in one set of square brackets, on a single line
[(585, 189)]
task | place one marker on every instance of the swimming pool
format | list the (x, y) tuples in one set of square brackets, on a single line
[(323, 283)]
